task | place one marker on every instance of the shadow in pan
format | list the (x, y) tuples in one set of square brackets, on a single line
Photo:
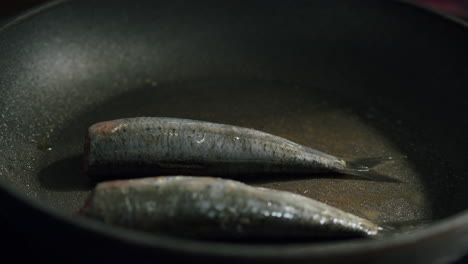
[(65, 175)]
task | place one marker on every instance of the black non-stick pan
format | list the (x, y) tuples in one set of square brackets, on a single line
[(356, 79)]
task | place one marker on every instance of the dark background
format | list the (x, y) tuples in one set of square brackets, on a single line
[(9, 8)]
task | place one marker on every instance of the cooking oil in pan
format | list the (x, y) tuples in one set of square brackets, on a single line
[(302, 114)]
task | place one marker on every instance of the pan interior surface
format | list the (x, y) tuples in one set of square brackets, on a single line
[(355, 99), (302, 113)]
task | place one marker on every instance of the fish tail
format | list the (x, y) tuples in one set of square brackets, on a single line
[(365, 168), (385, 231), (401, 227)]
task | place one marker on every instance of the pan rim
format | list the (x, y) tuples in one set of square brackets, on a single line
[(29, 13), (455, 224)]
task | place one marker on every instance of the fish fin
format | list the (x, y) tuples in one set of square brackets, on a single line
[(365, 168)]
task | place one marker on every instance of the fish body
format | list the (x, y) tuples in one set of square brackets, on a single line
[(171, 146), (209, 208)]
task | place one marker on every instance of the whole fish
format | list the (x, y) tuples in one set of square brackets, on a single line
[(147, 146), (214, 208)]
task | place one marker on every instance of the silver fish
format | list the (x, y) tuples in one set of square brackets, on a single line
[(209, 208), (148, 146)]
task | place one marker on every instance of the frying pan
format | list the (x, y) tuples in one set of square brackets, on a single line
[(352, 78)]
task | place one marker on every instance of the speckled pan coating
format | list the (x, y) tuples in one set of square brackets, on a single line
[(171, 146), (206, 207)]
